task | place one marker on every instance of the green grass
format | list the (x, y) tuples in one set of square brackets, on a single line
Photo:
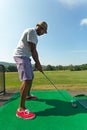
[(62, 79)]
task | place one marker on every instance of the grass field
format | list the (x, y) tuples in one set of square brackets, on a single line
[(68, 80)]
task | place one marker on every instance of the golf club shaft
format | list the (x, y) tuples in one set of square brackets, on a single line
[(56, 87), (49, 80), (53, 85)]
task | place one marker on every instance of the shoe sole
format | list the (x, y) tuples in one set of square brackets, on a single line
[(25, 118), (31, 98)]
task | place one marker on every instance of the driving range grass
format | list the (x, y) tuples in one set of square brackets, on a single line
[(68, 80)]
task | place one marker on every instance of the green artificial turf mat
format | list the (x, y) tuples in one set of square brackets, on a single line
[(53, 112), (82, 99)]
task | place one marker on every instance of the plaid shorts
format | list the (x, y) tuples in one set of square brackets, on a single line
[(24, 68)]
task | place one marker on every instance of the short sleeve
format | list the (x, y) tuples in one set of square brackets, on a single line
[(32, 36)]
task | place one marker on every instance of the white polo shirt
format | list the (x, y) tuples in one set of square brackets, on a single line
[(29, 35)]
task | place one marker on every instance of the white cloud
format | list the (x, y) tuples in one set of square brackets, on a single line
[(72, 2), (83, 22)]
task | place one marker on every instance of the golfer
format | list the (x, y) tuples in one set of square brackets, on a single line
[(25, 49)]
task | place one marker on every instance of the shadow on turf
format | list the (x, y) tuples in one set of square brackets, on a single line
[(59, 108)]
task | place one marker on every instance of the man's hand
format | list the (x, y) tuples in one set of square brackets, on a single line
[(39, 67)]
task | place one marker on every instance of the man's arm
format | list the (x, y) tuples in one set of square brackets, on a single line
[(35, 56)]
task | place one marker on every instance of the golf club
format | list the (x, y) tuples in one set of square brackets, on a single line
[(74, 105)]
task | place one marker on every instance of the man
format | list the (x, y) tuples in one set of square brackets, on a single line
[(25, 49)]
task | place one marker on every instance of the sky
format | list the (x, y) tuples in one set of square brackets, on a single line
[(66, 40)]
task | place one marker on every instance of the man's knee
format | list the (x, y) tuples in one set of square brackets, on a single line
[(27, 82)]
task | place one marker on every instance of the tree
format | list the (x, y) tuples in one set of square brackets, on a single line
[(12, 69), (49, 67)]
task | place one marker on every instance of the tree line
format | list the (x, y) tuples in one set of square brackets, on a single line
[(13, 68)]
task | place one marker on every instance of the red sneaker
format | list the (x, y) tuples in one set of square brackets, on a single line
[(31, 97), (25, 114)]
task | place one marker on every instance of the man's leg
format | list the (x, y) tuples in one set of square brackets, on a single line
[(25, 88), (29, 96), (22, 112), (29, 89)]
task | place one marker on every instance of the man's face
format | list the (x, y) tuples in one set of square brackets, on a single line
[(40, 30)]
